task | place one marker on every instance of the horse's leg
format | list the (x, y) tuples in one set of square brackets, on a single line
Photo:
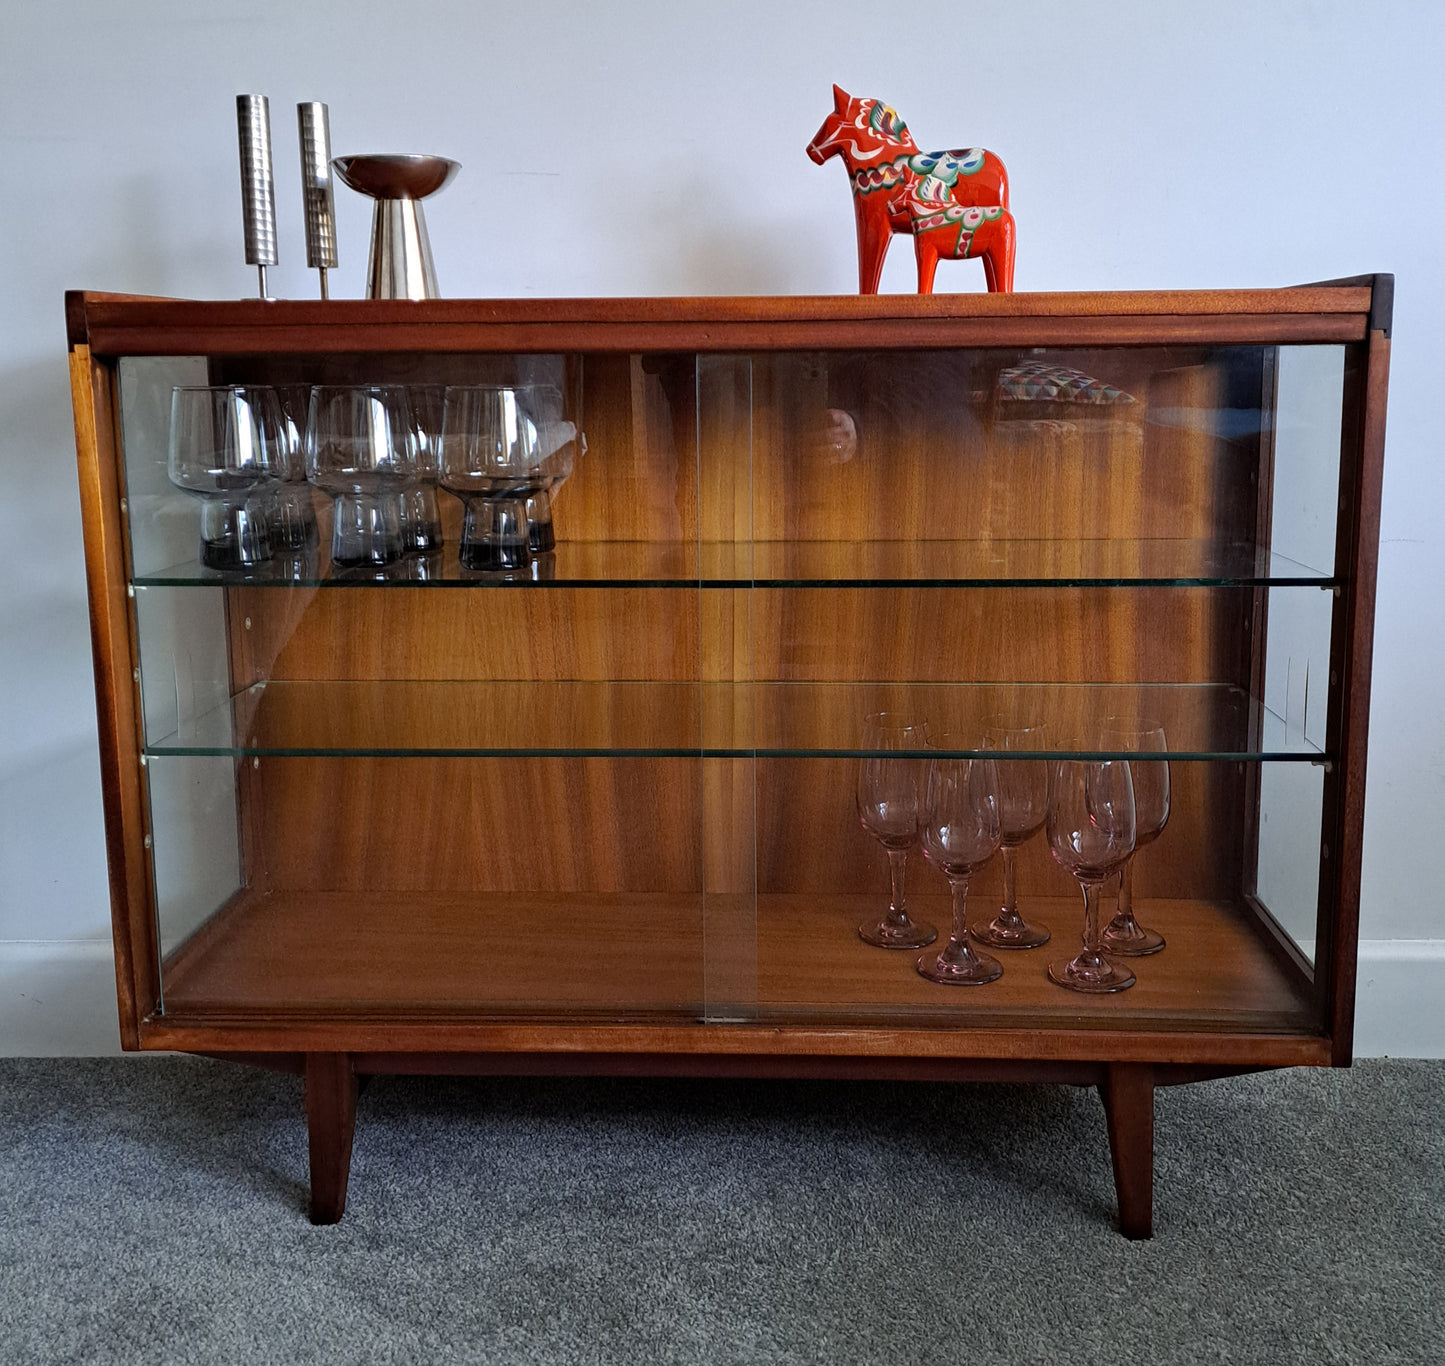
[(927, 255), (874, 234), (990, 270), (1003, 253)]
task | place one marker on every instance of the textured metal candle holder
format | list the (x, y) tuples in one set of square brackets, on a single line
[(314, 126), (258, 198)]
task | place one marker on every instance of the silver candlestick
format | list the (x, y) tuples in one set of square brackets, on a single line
[(400, 264), (258, 199), (316, 189)]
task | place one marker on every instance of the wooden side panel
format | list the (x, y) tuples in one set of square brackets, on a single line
[(1357, 546), (94, 398)]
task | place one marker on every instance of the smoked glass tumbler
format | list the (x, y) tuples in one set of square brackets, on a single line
[(1091, 833), (960, 833), (492, 452), (421, 523), (361, 449), (1124, 935), (291, 510), (219, 450), (890, 806), (1023, 802)]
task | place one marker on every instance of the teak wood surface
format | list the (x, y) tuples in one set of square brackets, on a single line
[(360, 861)]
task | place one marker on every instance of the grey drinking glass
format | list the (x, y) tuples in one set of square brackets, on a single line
[(291, 509), (492, 451), (1124, 935), (361, 449), (1091, 834), (890, 798), (1023, 803), (219, 449), (959, 834), (421, 523)]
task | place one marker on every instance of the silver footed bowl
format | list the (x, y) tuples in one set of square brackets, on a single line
[(396, 176)]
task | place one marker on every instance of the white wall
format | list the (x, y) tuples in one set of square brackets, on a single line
[(656, 148)]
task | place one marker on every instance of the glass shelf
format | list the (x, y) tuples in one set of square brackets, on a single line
[(711, 720), (1096, 563)]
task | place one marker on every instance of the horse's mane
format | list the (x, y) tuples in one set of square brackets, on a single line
[(884, 119)]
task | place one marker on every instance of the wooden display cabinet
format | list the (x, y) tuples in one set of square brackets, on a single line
[(599, 817)]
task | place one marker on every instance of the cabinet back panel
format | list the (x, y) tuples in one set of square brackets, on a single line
[(922, 445), (1066, 635), (476, 825), (497, 633)]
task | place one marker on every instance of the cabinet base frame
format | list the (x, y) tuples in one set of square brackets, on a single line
[(333, 1082)]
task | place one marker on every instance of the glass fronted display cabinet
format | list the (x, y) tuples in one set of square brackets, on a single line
[(950, 687)]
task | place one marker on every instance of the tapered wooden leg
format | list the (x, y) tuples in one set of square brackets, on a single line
[(1128, 1094), (330, 1124)]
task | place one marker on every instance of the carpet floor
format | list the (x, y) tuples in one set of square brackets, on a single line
[(153, 1211)]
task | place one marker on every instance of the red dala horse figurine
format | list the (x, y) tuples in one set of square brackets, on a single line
[(884, 168)]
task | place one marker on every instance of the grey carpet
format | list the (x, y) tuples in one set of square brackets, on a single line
[(152, 1211)]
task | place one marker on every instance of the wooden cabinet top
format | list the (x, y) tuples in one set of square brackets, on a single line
[(1342, 311)]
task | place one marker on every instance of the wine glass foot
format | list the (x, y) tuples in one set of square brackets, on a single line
[(1091, 972), (958, 964), (1127, 938), (1009, 932), (897, 931)]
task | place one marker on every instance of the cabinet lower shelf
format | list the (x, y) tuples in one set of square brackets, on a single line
[(679, 960)]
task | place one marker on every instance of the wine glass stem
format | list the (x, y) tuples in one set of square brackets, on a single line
[(1126, 890), (959, 887), (898, 908), (1091, 916), (1010, 904)]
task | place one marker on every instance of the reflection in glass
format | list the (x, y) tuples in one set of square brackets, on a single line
[(219, 449), (1023, 802), (1091, 833), (1124, 935), (890, 805), (361, 449), (959, 833)]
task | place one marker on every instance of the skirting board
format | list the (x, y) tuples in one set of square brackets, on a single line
[(57, 999)]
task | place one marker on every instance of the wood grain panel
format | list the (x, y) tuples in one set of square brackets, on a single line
[(401, 633), (929, 446), (1157, 635), (638, 479), (637, 953), (448, 825), (1357, 550), (627, 955), (703, 1049), (96, 425), (125, 326)]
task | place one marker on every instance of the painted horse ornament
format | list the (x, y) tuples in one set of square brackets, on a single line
[(886, 171)]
